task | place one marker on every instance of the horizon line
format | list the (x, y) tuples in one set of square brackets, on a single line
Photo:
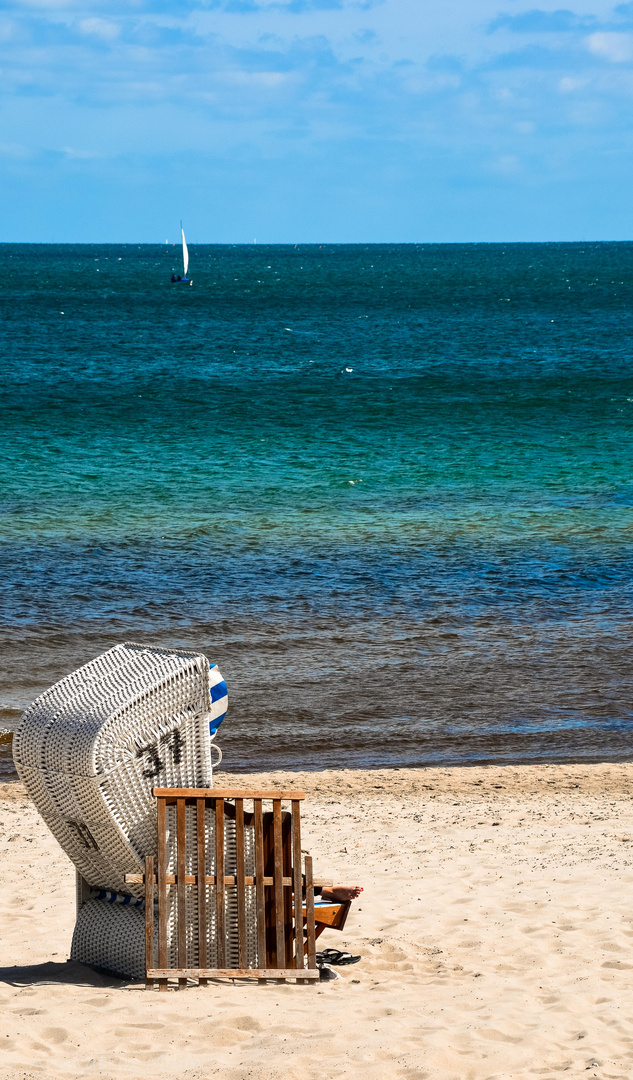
[(298, 243)]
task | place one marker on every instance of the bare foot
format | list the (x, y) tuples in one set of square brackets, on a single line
[(341, 893)]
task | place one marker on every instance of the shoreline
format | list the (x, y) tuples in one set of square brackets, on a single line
[(407, 779), (413, 780)]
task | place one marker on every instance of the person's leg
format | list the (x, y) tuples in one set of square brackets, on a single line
[(339, 894)]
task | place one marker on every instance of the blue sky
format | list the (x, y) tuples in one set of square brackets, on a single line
[(315, 120)]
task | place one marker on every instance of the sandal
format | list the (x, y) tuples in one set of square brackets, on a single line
[(327, 955), (336, 957)]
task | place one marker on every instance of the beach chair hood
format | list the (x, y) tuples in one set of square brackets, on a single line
[(91, 749)]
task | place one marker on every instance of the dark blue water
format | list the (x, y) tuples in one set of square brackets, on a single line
[(387, 488)]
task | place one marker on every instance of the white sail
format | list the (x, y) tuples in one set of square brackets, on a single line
[(185, 253)]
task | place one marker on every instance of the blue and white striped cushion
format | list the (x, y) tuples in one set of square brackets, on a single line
[(115, 898), (219, 699)]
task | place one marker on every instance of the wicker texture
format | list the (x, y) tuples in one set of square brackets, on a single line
[(91, 748), (115, 942), (110, 937)]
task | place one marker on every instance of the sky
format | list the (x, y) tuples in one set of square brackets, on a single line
[(315, 121)]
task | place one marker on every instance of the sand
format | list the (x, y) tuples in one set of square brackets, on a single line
[(495, 931)]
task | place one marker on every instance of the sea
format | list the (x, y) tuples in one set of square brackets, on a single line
[(387, 488)]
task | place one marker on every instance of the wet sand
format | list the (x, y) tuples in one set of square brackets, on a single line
[(495, 932)]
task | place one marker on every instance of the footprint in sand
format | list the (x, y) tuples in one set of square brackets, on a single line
[(55, 1034)]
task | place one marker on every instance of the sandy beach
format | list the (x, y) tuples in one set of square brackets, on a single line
[(495, 932)]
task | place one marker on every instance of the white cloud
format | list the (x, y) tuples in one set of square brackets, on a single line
[(49, 5), (617, 48), (15, 150), (508, 165), (567, 84), (256, 78), (82, 155), (101, 28)]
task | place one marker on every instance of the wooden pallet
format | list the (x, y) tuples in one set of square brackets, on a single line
[(286, 931)]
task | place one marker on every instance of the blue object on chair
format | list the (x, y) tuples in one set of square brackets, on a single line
[(219, 700)]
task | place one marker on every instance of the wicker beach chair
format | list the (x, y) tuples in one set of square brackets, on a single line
[(116, 758)]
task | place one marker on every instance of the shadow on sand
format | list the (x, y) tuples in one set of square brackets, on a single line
[(70, 973)]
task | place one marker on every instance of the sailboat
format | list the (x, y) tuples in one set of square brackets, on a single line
[(176, 278)]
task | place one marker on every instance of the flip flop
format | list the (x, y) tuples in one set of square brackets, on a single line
[(327, 955), (346, 958), (336, 957)]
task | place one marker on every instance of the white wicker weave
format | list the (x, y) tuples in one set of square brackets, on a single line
[(91, 748), (110, 937), (110, 931)]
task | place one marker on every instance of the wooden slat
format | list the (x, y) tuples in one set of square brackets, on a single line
[(162, 890), (278, 874), (219, 888), (241, 890), (231, 973), (229, 879), (311, 936), (298, 882), (286, 840), (224, 793), (181, 896), (149, 916), (201, 866), (260, 882)]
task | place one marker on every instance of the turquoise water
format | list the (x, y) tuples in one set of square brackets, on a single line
[(387, 488)]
